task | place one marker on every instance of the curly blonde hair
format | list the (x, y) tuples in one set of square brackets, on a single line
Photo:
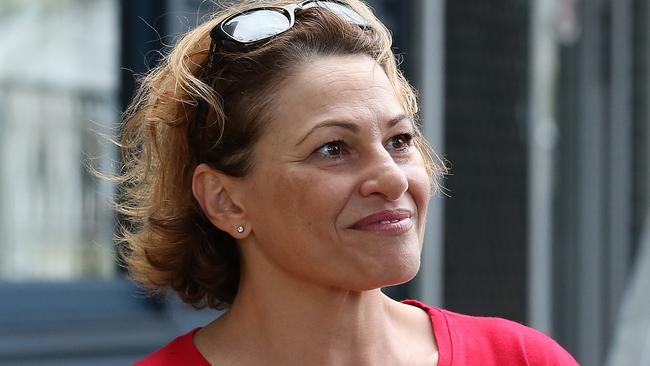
[(183, 115)]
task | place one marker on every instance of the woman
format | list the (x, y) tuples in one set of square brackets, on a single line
[(273, 167)]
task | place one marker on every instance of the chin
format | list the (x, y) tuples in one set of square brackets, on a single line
[(406, 274), (403, 270), (390, 275)]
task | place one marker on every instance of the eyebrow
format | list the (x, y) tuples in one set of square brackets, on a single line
[(349, 126)]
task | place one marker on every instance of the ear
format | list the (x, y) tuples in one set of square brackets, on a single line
[(211, 188)]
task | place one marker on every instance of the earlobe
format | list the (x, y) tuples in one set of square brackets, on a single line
[(211, 189)]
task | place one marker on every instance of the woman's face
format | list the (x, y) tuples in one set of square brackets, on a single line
[(338, 193)]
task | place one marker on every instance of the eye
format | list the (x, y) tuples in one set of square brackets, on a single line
[(332, 150), (400, 143)]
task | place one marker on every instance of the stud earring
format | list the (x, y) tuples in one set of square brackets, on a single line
[(240, 229)]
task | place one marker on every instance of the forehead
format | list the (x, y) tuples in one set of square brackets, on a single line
[(351, 87)]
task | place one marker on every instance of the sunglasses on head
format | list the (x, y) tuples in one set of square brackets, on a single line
[(260, 24)]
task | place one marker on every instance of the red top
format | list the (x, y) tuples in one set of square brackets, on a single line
[(462, 340)]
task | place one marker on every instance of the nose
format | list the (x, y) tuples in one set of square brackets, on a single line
[(383, 176)]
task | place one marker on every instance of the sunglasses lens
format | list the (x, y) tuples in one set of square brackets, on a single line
[(256, 25), (340, 10)]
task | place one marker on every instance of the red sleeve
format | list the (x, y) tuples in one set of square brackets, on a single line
[(181, 351)]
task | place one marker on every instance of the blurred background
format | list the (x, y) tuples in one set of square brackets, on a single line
[(541, 107)]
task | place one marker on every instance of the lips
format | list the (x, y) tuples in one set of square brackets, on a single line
[(387, 222)]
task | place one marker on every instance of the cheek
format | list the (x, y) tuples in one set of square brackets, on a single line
[(419, 187), (419, 180), (309, 198), (296, 229)]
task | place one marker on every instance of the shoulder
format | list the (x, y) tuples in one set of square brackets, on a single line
[(180, 351), (473, 338)]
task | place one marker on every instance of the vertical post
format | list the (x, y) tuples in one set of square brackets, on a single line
[(626, 321), (430, 83), (139, 42), (542, 129), (591, 176), (620, 158)]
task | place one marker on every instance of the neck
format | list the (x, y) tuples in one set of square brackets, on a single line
[(284, 320), (326, 325)]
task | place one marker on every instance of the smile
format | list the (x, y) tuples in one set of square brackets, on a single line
[(388, 222)]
